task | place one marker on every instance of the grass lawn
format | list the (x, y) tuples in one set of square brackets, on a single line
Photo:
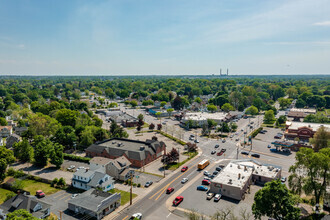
[(124, 195), (3, 194), (32, 186), (175, 166)]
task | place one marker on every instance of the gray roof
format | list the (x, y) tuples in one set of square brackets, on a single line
[(100, 160), (97, 179), (27, 202), (94, 200), (134, 149), (84, 173)]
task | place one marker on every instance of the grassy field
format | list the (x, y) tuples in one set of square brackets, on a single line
[(3, 194), (32, 186), (124, 195)]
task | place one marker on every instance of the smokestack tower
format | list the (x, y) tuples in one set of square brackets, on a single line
[(220, 72), (227, 72)]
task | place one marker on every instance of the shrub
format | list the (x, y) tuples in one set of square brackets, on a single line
[(134, 184), (139, 185), (76, 158), (10, 195), (11, 171), (256, 132), (15, 173), (54, 182), (61, 182)]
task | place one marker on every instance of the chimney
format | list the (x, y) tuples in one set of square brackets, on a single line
[(142, 148), (239, 176), (245, 169)]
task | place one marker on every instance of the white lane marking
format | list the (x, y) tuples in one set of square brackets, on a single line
[(168, 215)]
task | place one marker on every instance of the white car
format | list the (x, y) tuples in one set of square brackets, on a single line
[(184, 180), (71, 167), (217, 197), (136, 216), (206, 173), (74, 195)]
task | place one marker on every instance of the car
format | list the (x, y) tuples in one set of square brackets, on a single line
[(242, 129), (255, 155), (252, 122), (218, 169), (191, 138), (220, 153), (269, 146), (71, 167), (136, 216), (169, 190), (215, 172), (40, 194), (273, 150), (224, 141), (286, 150), (212, 176), (216, 146), (231, 136), (74, 195), (217, 197), (206, 182), (223, 150), (206, 178), (177, 200), (209, 196), (202, 188), (164, 123), (196, 141), (245, 132), (192, 135), (184, 180), (206, 173), (245, 153), (237, 139), (184, 169), (283, 179), (213, 152), (149, 183)]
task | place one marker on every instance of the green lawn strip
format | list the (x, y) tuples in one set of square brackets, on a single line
[(154, 174), (3, 195), (125, 196), (32, 186), (175, 166)]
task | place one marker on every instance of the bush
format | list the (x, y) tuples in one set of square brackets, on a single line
[(54, 182), (256, 132), (134, 184), (172, 138), (10, 195), (76, 158), (11, 171), (139, 185), (61, 182), (15, 173)]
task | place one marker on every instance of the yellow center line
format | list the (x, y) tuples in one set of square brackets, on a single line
[(125, 217)]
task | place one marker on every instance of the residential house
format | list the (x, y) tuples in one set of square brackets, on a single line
[(36, 207), (139, 153), (20, 130), (5, 131), (95, 203), (12, 139), (87, 179)]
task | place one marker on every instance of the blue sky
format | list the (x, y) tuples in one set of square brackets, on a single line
[(167, 37)]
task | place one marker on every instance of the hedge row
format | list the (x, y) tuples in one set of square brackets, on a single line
[(172, 138), (76, 158), (255, 132)]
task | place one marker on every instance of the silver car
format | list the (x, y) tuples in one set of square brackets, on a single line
[(184, 180)]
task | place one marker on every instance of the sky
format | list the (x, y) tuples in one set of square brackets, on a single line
[(164, 37)]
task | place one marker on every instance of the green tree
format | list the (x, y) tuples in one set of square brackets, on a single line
[(269, 117), (211, 123), (233, 126), (211, 108), (292, 93), (3, 122), (312, 170), (23, 151), (65, 136), (321, 139), (169, 111), (67, 117), (198, 100), (227, 107), (42, 148), (134, 103), (140, 117), (275, 201), (97, 121), (3, 167), (6, 157), (178, 103), (252, 110), (56, 155), (20, 214), (163, 103), (87, 137), (281, 119), (284, 103), (113, 105), (117, 131), (40, 124)]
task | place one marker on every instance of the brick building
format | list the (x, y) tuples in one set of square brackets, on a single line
[(301, 130), (139, 153)]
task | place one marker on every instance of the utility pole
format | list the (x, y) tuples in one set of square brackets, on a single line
[(60, 214), (130, 195)]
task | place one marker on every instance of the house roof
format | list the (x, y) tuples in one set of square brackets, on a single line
[(94, 200), (7, 127), (84, 173), (314, 126), (27, 202), (97, 179), (100, 160)]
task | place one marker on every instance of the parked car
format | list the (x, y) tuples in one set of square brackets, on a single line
[(223, 150), (252, 122), (283, 179), (245, 153), (206, 173), (224, 141), (40, 194), (219, 153), (269, 146), (149, 183), (216, 146), (273, 150), (212, 176), (255, 155), (242, 129), (218, 169), (277, 136), (215, 172), (206, 182), (244, 132), (74, 195), (136, 216), (217, 197), (184, 169), (231, 136), (196, 141), (209, 196), (206, 178), (71, 167), (213, 152), (184, 180), (202, 188), (169, 190), (237, 139), (177, 200)]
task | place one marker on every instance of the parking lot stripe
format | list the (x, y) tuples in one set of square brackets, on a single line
[(125, 217), (60, 194), (62, 198)]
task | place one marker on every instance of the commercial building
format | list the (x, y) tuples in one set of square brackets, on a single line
[(200, 118), (297, 114), (139, 153), (234, 180), (94, 203), (302, 130)]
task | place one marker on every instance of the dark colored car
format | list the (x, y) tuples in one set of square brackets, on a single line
[(218, 168), (215, 172), (149, 183), (245, 153), (169, 190), (184, 169), (216, 146), (213, 152), (223, 150), (255, 155), (177, 200)]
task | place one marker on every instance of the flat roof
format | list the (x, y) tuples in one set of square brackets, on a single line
[(305, 110), (295, 125), (201, 116)]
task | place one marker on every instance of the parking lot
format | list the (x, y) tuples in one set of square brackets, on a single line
[(67, 163)]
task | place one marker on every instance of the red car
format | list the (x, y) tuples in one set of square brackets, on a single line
[(177, 200), (206, 182), (184, 169), (169, 190), (40, 194)]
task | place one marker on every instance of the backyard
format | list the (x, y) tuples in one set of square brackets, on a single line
[(3, 194)]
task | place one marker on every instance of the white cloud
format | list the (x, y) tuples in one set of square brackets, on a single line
[(323, 23)]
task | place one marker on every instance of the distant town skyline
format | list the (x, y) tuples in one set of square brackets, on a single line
[(172, 37)]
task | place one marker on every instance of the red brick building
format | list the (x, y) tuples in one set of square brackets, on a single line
[(139, 153), (301, 130)]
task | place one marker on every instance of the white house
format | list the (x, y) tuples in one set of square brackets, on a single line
[(86, 179)]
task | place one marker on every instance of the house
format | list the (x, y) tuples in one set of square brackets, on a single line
[(234, 180), (12, 139), (302, 130), (94, 203), (117, 168), (11, 123), (87, 179), (139, 153), (36, 207), (5, 131), (20, 130)]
